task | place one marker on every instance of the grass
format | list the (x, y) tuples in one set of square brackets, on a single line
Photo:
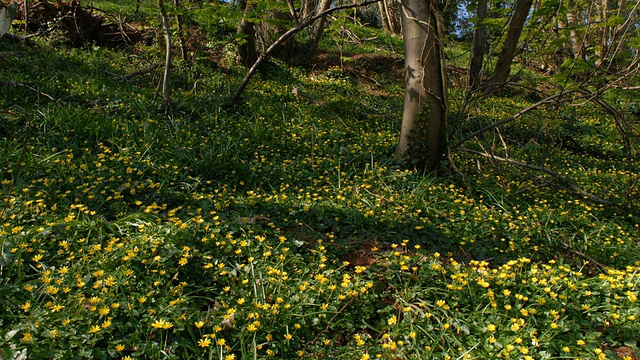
[(283, 228)]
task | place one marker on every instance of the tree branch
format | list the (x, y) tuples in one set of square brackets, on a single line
[(284, 38), (569, 184), (514, 117)]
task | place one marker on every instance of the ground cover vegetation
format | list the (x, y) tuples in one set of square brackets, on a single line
[(283, 227)]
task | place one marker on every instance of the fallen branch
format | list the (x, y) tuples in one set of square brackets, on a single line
[(569, 184), (514, 117), (326, 329), (590, 259), (24, 39), (133, 74), (7, 83)]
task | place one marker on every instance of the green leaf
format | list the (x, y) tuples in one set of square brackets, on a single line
[(7, 15)]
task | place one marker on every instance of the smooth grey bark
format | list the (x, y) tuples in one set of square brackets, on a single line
[(505, 59), (389, 23), (319, 29), (576, 42), (166, 86), (479, 46), (425, 101), (247, 50)]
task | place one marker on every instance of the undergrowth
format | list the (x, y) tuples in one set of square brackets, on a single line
[(283, 228)]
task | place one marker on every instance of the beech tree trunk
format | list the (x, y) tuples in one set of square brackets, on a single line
[(516, 24), (479, 47), (425, 101)]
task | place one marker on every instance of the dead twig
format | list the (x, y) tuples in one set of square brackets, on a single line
[(326, 329), (37, 90)]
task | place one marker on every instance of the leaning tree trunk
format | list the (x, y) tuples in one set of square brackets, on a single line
[(317, 33), (425, 101), (479, 46), (516, 24)]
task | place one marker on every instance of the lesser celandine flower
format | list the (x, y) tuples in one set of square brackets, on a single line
[(204, 342)]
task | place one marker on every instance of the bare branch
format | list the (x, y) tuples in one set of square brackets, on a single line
[(284, 38), (514, 117), (566, 181), (133, 74)]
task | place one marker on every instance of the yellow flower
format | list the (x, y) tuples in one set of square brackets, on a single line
[(27, 337), (392, 320), (94, 329), (25, 306), (220, 342), (491, 327), (120, 348), (288, 336), (204, 342), (162, 324), (199, 324)]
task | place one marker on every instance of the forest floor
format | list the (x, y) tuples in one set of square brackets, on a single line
[(284, 228)]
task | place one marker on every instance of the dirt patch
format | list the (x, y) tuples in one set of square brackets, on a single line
[(625, 352), (76, 25), (359, 66), (362, 255)]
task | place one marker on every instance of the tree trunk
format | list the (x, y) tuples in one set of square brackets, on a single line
[(479, 46), (166, 86), (247, 48), (383, 17), (576, 42), (181, 40), (516, 24), (602, 9), (317, 33), (425, 102), (389, 22), (26, 16)]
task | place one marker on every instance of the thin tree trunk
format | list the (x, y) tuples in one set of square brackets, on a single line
[(576, 42), (317, 33), (391, 18), (166, 86), (183, 44), (26, 16), (516, 24), (479, 46), (247, 49), (383, 17), (425, 103)]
